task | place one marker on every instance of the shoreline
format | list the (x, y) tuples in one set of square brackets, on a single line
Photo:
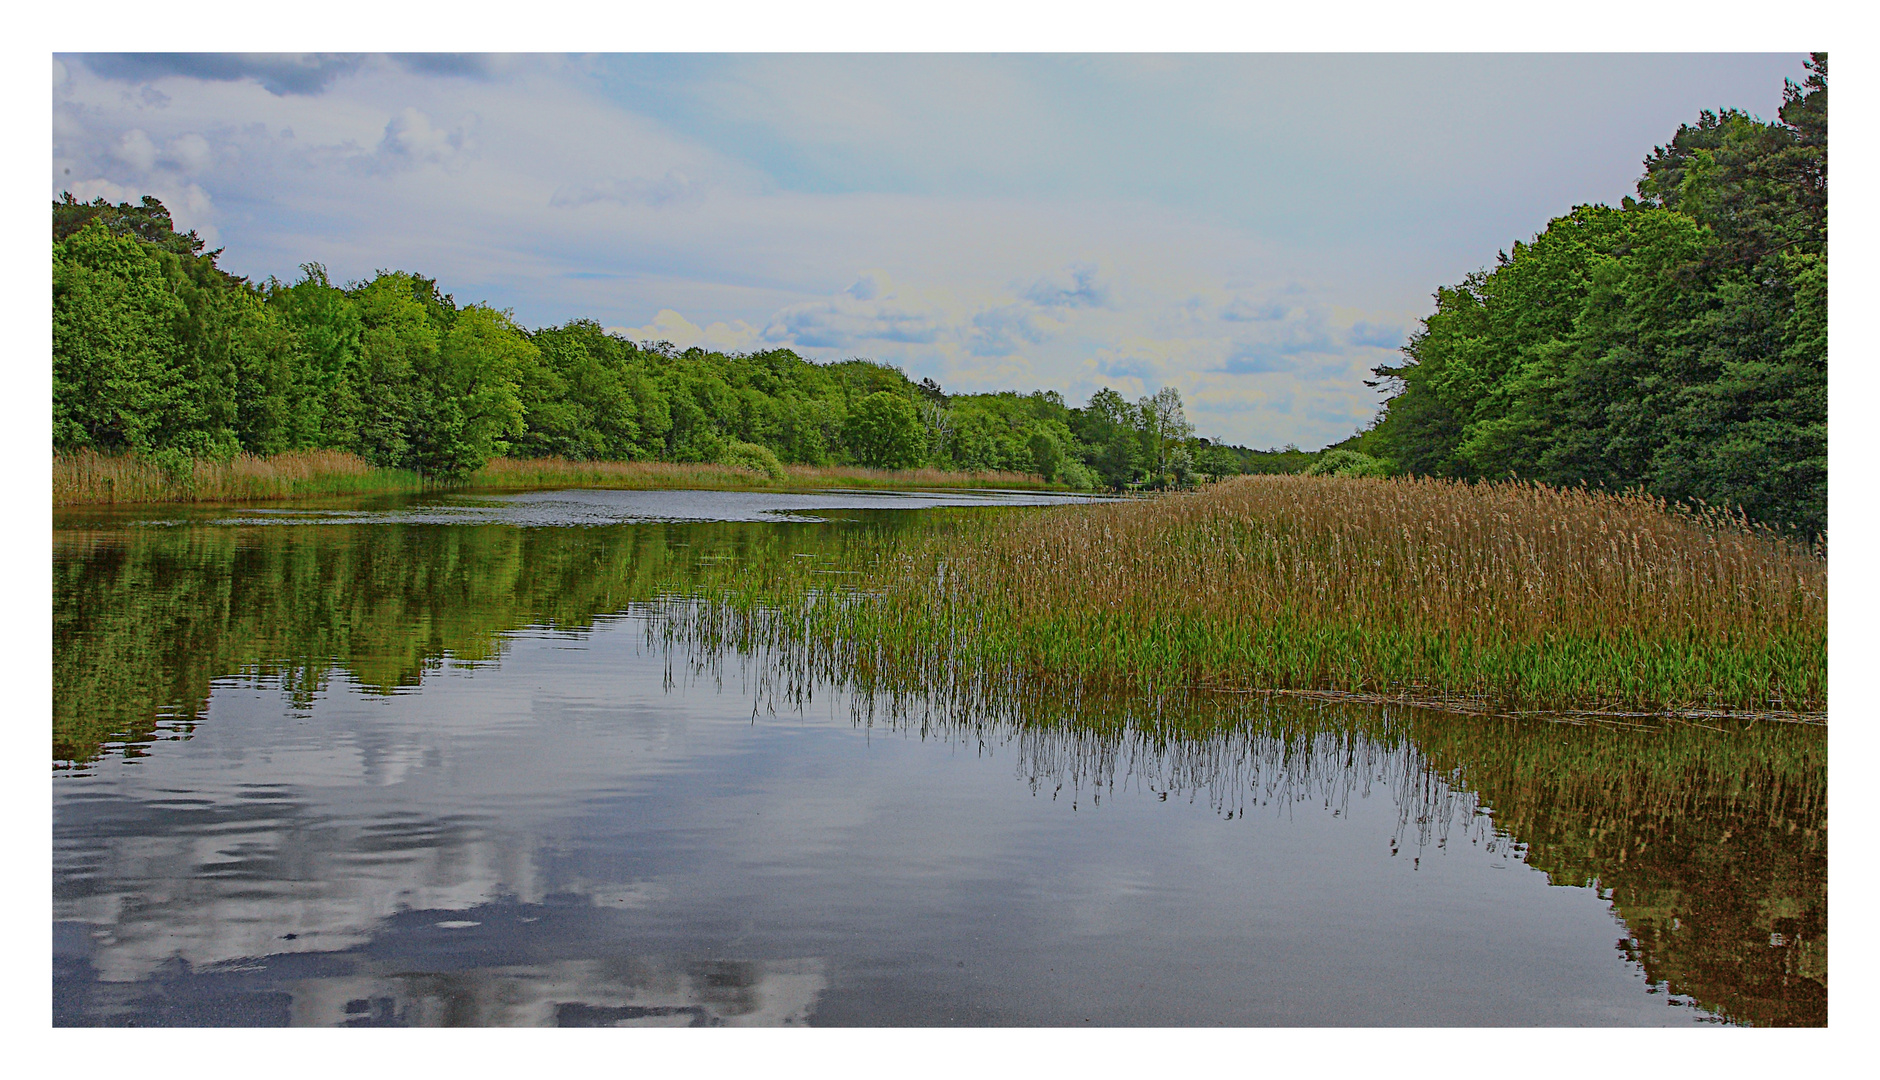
[(90, 479)]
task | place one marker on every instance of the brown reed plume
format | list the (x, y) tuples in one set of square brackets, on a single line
[(85, 477), (1506, 595)]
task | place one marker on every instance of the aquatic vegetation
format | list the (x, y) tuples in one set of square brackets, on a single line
[(86, 477), (1479, 596), (89, 478), (1709, 838)]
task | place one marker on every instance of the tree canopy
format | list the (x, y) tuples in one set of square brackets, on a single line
[(1677, 343), (156, 350)]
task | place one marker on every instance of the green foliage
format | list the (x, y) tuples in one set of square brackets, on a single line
[(471, 404), (1047, 454), (1678, 344), (328, 331), (149, 222), (883, 431), (1078, 476), (155, 348), (1163, 430), (757, 458), (1108, 425), (124, 374), (1348, 463)]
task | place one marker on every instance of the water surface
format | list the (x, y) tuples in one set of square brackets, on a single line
[(432, 761)]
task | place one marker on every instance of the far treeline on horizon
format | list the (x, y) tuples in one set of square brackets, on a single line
[(1675, 344)]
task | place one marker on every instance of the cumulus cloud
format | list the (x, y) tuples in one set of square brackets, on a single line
[(832, 324), (189, 153), (1278, 338), (1024, 222), (412, 139), (674, 328), (1078, 287), (189, 205), (1141, 369), (134, 148), (1008, 328), (870, 312), (110, 191), (870, 285)]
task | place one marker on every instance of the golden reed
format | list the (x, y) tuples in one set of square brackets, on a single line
[(1503, 596), (85, 477)]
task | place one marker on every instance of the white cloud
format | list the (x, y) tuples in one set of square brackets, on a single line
[(188, 152), (1018, 223), (1079, 286), (135, 149), (411, 138), (670, 326)]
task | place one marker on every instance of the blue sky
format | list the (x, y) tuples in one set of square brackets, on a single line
[(1256, 230)]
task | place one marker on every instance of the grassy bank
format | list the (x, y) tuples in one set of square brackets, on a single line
[(87, 478), (1492, 597)]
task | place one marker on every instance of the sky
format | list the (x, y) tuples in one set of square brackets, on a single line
[(1258, 231)]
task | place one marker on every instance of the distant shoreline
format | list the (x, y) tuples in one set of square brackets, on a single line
[(86, 478)]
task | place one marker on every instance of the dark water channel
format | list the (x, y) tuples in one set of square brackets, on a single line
[(429, 762)]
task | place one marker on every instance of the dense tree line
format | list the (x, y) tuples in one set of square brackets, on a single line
[(1677, 343), (156, 350)]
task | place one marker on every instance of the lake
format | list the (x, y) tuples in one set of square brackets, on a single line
[(441, 761)]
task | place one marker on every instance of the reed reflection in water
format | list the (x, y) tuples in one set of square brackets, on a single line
[(1710, 839)]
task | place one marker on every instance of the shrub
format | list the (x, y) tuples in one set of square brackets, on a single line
[(1349, 463), (758, 459), (1078, 476)]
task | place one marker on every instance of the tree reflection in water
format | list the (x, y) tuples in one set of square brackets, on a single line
[(1709, 841)]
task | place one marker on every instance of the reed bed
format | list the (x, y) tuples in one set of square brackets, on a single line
[(1492, 597), (504, 474), (86, 477)]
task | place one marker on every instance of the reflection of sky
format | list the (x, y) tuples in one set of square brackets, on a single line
[(563, 828)]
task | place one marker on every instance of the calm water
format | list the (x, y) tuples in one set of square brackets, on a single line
[(432, 762)]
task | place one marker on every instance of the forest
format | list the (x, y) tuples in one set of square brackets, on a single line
[(1676, 344), (158, 351)]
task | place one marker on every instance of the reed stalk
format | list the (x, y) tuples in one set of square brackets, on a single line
[(1507, 596), (88, 478), (85, 477)]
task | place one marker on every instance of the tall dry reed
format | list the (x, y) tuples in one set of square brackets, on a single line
[(1515, 595), (85, 477), (526, 473)]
